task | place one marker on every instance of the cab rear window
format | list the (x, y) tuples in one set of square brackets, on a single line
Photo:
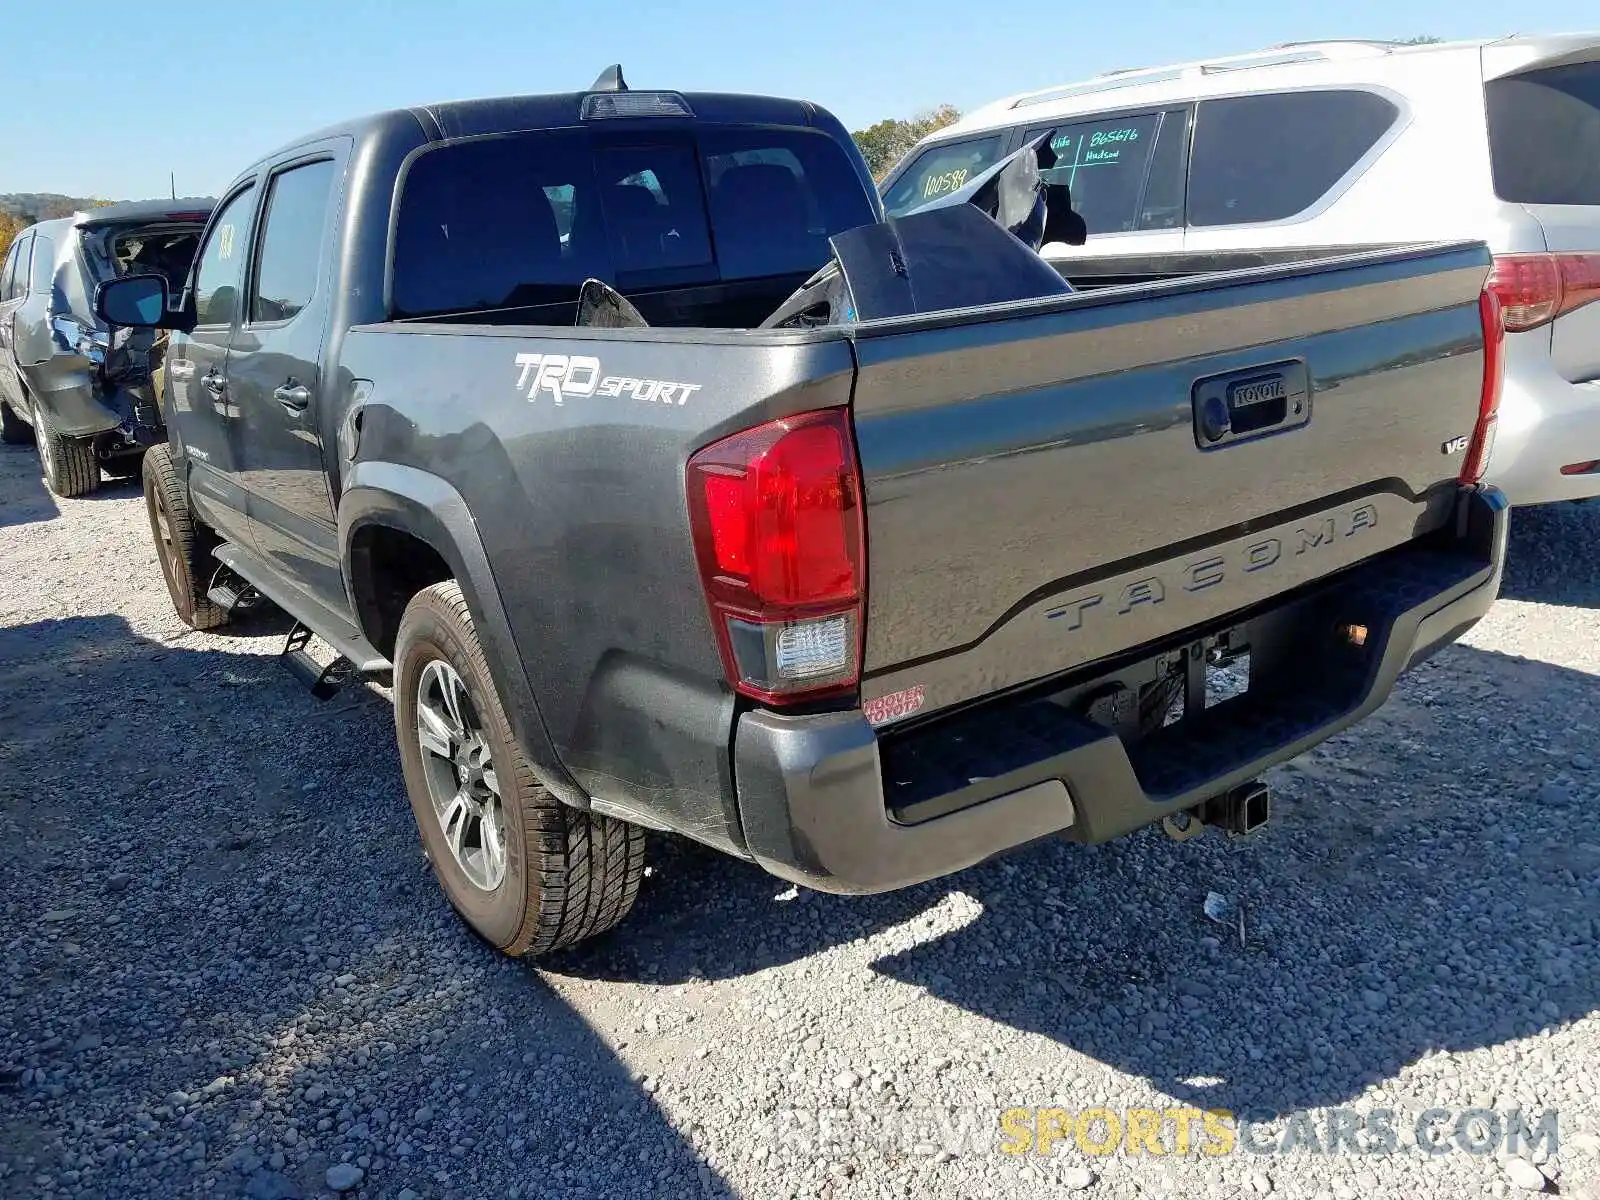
[(1544, 135), (523, 219)]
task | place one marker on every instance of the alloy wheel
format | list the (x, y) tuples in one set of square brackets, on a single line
[(462, 784), (47, 456)]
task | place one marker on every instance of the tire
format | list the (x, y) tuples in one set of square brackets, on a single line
[(14, 431), (183, 543), (564, 875), (70, 467)]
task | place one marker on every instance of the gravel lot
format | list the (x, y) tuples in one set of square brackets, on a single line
[(226, 970)]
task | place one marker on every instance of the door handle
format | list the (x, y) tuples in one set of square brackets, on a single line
[(295, 398), (215, 384)]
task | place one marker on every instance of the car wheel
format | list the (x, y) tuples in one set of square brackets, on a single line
[(183, 543), (70, 467), (524, 871), (14, 431)]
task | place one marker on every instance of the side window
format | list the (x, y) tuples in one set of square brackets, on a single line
[(940, 170), (291, 241), (16, 283), (1270, 156), (1104, 162), (561, 197), (44, 265), (221, 271), (1544, 135), (9, 272)]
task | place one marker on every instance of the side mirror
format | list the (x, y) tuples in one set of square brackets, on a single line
[(134, 302)]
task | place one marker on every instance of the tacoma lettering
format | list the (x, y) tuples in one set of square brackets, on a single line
[(1215, 570)]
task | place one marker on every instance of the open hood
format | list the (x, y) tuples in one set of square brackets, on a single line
[(978, 245)]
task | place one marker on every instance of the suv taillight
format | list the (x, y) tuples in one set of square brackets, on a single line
[(778, 531), (1494, 372), (1535, 289)]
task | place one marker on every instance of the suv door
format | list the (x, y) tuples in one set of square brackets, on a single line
[(203, 418), (275, 379), (13, 287)]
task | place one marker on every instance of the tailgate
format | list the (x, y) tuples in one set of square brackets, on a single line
[(1037, 494)]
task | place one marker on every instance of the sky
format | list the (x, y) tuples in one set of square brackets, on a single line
[(106, 101)]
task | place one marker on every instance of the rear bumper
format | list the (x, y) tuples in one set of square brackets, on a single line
[(1545, 423), (817, 806), (65, 388)]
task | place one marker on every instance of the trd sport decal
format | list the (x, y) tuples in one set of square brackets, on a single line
[(564, 376)]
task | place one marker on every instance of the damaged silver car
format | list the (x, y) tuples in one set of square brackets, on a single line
[(86, 392)]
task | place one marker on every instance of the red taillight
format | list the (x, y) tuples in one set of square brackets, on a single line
[(1535, 289), (1494, 370), (776, 514)]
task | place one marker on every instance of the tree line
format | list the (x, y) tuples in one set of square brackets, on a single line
[(18, 210), (886, 143)]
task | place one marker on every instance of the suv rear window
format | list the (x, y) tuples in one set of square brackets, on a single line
[(523, 219), (1544, 135), (940, 170), (1271, 156)]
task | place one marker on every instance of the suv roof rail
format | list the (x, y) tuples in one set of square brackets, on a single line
[(1376, 42), (1272, 56)]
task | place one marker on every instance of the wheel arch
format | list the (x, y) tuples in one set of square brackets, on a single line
[(400, 527)]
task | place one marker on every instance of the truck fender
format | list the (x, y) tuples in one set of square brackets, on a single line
[(423, 505)]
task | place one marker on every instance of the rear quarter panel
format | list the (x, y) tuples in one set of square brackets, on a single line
[(580, 504)]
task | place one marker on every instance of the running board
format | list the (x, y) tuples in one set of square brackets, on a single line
[(332, 627), (231, 592), (307, 670)]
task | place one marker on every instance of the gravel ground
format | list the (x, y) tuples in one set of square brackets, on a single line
[(226, 970)]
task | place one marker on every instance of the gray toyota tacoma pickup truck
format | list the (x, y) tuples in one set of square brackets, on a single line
[(670, 485)]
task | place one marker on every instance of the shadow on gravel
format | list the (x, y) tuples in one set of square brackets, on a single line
[(1554, 555), (113, 487), (23, 497), (1397, 906), (222, 944)]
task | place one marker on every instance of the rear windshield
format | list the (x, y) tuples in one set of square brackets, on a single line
[(523, 219), (164, 249), (1544, 135)]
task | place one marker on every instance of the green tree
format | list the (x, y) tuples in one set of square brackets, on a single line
[(9, 228), (886, 143)]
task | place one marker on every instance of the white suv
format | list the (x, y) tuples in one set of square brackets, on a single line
[(1321, 148)]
